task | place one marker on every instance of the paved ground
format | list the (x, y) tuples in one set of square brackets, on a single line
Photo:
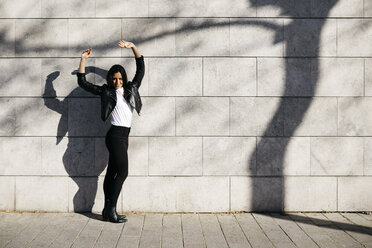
[(187, 230)]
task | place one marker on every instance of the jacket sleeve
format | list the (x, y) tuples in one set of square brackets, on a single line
[(140, 72), (92, 88)]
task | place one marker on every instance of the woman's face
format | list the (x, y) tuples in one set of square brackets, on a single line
[(117, 80)]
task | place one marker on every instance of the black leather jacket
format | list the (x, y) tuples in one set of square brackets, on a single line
[(108, 95)]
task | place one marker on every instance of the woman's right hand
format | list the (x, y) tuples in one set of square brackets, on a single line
[(86, 54)]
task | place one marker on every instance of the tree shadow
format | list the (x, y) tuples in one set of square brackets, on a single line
[(302, 39), (324, 222)]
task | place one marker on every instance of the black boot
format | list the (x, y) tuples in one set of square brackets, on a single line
[(112, 215), (105, 214), (120, 216)]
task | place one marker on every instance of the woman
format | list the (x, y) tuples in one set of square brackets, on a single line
[(119, 97)]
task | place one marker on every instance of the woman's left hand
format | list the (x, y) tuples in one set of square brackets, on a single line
[(126, 44)]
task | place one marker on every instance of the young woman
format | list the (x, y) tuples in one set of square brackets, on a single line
[(119, 97)]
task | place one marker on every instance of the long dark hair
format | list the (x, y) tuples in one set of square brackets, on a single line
[(110, 74)]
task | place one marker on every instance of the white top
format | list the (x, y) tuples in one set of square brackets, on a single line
[(123, 111)]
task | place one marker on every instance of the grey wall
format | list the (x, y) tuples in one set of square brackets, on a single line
[(254, 106)]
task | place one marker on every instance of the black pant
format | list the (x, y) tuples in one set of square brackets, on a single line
[(117, 169)]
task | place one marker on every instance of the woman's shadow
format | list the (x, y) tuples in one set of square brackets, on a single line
[(85, 137)]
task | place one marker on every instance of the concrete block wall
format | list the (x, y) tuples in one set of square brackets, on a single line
[(247, 105)]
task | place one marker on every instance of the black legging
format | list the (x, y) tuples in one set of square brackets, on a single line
[(117, 169)]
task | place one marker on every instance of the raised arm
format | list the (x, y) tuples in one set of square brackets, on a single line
[(83, 83), (84, 56), (140, 64)]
